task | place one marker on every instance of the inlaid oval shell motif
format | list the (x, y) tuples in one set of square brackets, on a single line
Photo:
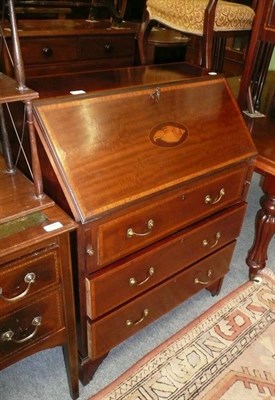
[(168, 134)]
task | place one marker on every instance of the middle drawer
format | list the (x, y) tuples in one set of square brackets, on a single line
[(122, 281)]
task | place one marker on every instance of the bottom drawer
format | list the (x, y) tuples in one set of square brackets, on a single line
[(109, 331), (30, 324)]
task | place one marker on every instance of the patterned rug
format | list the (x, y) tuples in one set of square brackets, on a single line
[(228, 353)]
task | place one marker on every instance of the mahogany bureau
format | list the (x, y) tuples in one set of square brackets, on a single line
[(36, 291), (156, 177)]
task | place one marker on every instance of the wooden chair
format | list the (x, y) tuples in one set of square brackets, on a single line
[(211, 20), (120, 6), (259, 54)]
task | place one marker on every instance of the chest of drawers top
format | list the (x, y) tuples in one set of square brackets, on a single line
[(55, 47), (26, 221), (116, 148), (29, 28)]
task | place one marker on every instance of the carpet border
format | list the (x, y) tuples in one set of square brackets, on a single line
[(266, 273)]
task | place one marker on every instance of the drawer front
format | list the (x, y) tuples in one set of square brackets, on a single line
[(97, 47), (134, 230), (48, 50), (30, 324), (23, 278), (109, 331), (117, 284)]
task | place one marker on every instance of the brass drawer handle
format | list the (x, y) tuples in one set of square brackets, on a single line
[(208, 199), (209, 275), (216, 241), (29, 279), (8, 336), (131, 233), (144, 315), (134, 282)]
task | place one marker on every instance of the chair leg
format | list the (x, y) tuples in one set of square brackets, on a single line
[(218, 54), (206, 52), (207, 47), (261, 69), (143, 35)]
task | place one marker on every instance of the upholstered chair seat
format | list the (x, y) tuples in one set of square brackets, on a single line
[(188, 15), (204, 18)]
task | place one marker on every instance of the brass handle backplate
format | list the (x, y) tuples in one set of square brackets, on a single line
[(131, 232), (208, 199), (205, 242), (29, 279), (209, 275), (8, 336), (134, 282), (144, 315)]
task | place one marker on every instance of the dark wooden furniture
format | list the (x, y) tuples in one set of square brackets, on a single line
[(157, 187), (71, 9), (262, 129), (55, 47), (36, 289), (265, 219), (166, 45)]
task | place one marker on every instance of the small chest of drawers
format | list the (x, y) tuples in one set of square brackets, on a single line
[(158, 188), (36, 288), (56, 47)]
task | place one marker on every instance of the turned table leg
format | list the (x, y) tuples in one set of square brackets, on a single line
[(264, 227)]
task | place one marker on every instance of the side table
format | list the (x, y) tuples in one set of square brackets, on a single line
[(36, 290), (262, 127), (168, 40), (262, 130)]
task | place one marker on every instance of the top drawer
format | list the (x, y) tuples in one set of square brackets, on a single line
[(47, 50), (97, 47), (26, 276), (132, 230)]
